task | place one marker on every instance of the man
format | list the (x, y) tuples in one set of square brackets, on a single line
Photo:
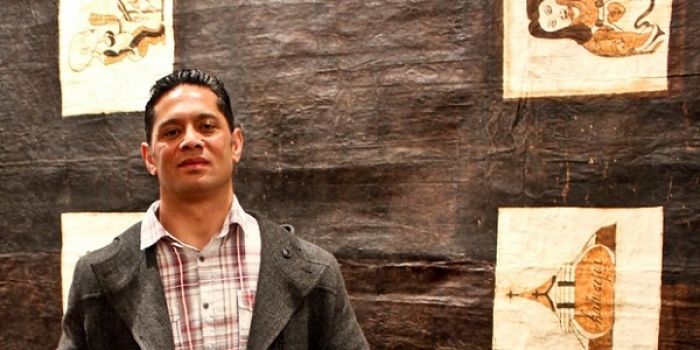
[(199, 272)]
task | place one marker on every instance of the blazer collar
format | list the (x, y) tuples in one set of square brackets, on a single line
[(286, 276), (132, 285)]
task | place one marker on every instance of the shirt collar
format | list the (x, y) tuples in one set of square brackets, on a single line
[(152, 231)]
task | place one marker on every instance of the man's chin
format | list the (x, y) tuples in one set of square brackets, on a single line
[(200, 187), (193, 189)]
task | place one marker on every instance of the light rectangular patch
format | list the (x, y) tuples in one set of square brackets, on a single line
[(578, 278), (111, 52), (577, 47), (86, 232)]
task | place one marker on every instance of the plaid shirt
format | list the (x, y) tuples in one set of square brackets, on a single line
[(210, 293)]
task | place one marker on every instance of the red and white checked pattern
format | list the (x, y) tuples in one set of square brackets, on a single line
[(210, 293)]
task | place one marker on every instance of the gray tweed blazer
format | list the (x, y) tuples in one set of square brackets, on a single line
[(116, 300)]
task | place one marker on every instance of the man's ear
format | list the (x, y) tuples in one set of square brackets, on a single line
[(237, 141), (148, 159)]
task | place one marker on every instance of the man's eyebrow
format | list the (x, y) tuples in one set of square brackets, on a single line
[(176, 120), (170, 121), (205, 115)]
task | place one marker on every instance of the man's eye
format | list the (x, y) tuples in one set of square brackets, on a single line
[(208, 126), (171, 133)]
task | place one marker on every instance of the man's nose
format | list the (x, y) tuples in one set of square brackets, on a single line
[(191, 139)]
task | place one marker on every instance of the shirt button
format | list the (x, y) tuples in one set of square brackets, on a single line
[(201, 258), (205, 305), (286, 254)]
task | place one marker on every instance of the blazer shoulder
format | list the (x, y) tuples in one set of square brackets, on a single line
[(315, 253), (332, 278)]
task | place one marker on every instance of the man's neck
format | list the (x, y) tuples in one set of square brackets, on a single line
[(194, 221)]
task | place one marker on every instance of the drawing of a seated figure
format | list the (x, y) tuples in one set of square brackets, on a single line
[(610, 28), (119, 29)]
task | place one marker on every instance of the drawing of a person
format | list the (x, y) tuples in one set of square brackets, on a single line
[(610, 28), (119, 29)]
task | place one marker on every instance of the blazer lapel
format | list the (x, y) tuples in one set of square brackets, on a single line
[(132, 283), (285, 278)]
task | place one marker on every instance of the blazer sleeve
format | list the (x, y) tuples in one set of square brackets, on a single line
[(73, 332), (346, 332)]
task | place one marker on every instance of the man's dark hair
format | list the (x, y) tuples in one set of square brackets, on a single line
[(187, 77), (580, 33)]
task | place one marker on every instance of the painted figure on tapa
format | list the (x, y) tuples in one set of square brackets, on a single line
[(582, 293), (609, 28), (115, 30)]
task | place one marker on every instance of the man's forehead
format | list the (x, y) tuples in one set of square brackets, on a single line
[(186, 92), (186, 100)]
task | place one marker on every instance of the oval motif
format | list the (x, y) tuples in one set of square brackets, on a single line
[(595, 291)]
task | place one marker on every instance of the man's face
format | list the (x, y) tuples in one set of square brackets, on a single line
[(193, 152), (554, 16)]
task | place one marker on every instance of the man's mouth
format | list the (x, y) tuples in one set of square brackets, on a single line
[(192, 163)]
